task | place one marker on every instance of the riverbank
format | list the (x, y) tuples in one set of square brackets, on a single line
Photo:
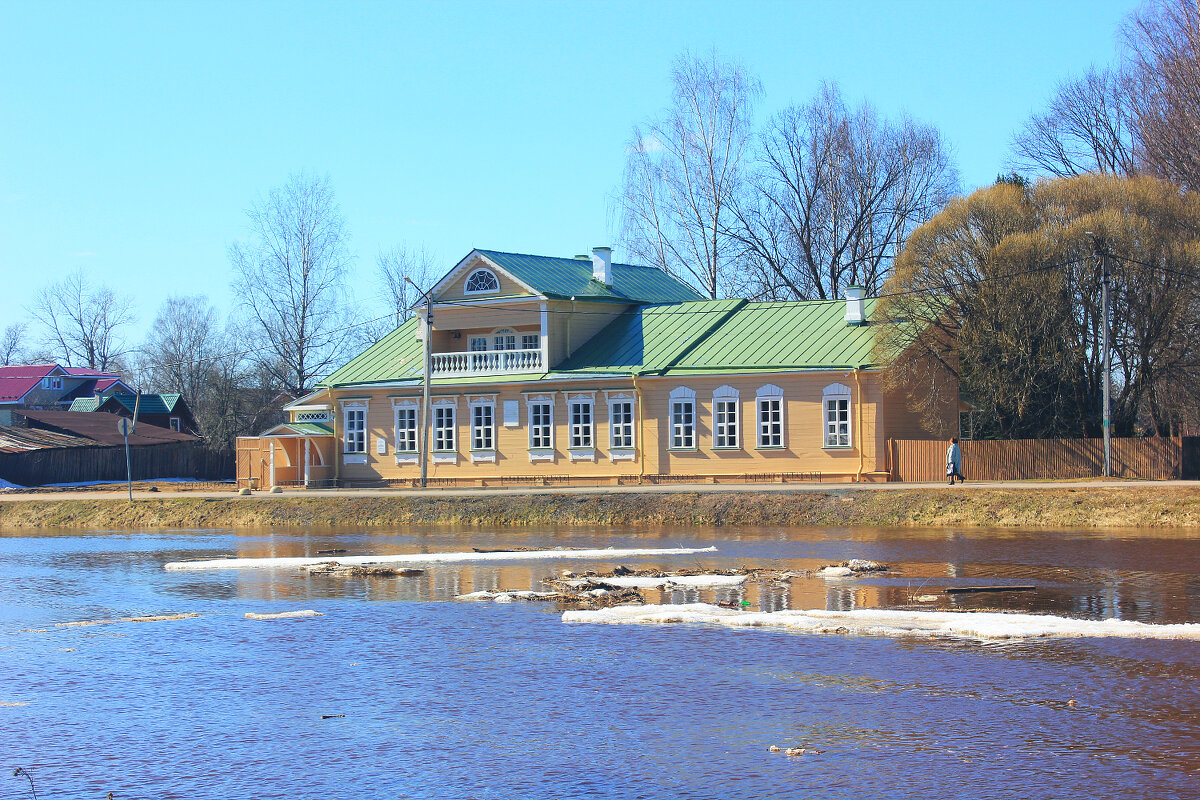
[(1031, 505)]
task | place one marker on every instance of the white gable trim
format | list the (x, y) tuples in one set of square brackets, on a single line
[(306, 400), (471, 263)]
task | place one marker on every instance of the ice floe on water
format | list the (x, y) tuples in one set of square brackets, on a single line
[(308, 612), (507, 597), (887, 622), (432, 558), (658, 582)]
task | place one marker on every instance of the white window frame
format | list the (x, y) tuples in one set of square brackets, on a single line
[(541, 449), (356, 411), (625, 428), (541, 432), (473, 340), (507, 333), (726, 432), (770, 434), (683, 433), (173, 422), (440, 409), (53, 383), (479, 406), (581, 425), (484, 270), (526, 338), (407, 440), (836, 399), (581, 413)]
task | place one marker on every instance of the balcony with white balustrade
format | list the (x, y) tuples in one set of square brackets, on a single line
[(486, 362)]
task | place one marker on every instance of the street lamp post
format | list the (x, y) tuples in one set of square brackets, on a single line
[(428, 368)]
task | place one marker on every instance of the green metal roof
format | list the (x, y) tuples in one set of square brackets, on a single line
[(729, 335), (698, 337), (394, 357), (84, 404), (650, 338), (149, 404), (572, 277), (784, 335), (310, 428)]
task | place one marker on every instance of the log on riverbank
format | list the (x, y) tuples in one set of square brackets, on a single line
[(1135, 506)]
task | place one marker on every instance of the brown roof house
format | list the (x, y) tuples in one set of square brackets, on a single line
[(41, 447)]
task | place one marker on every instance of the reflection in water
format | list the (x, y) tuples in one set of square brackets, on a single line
[(478, 700)]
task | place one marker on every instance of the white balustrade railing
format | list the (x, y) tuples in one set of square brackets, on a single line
[(490, 362)]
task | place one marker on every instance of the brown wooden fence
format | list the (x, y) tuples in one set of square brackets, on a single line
[(1158, 458), (74, 464)]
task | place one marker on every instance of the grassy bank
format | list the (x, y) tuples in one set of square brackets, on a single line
[(1140, 506)]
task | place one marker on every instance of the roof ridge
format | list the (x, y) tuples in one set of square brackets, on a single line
[(563, 258)]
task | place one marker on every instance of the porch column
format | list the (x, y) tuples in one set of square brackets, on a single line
[(544, 323), (272, 463), (307, 460)]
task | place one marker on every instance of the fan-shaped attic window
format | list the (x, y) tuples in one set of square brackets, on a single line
[(481, 281)]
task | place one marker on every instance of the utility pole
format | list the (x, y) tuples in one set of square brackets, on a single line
[(1106, 345), (427, 342)]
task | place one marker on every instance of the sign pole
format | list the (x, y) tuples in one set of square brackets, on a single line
[(123, 427)]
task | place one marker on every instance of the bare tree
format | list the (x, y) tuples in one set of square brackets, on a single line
[(835, 193), (290, 278), (395, 266), (82, 324), (1163, 43), (183, 341), (684, 171), (1089, 127), (12, 344)]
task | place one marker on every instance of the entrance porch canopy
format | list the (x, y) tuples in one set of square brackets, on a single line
[(290, 454)]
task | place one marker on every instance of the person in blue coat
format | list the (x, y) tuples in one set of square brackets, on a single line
[(954, 462)]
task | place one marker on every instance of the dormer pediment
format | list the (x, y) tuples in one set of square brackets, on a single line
[(477, 277)]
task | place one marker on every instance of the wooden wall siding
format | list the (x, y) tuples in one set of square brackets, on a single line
[(803, 451), (68, 465), (523, 316), (1024, 459)]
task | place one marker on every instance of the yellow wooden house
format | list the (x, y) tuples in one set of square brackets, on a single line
[(577, 370)]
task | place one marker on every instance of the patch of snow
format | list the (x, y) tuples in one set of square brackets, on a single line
[(835, 572), (432, 558), (9, 485), (284, 614), (647, 582), (137, 480), (888, 622)]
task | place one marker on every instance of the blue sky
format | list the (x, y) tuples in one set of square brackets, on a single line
[(133, 136)]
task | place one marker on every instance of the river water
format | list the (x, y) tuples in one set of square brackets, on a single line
[(399, 691)]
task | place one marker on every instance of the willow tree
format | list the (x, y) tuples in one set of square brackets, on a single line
[(1002, 291)]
